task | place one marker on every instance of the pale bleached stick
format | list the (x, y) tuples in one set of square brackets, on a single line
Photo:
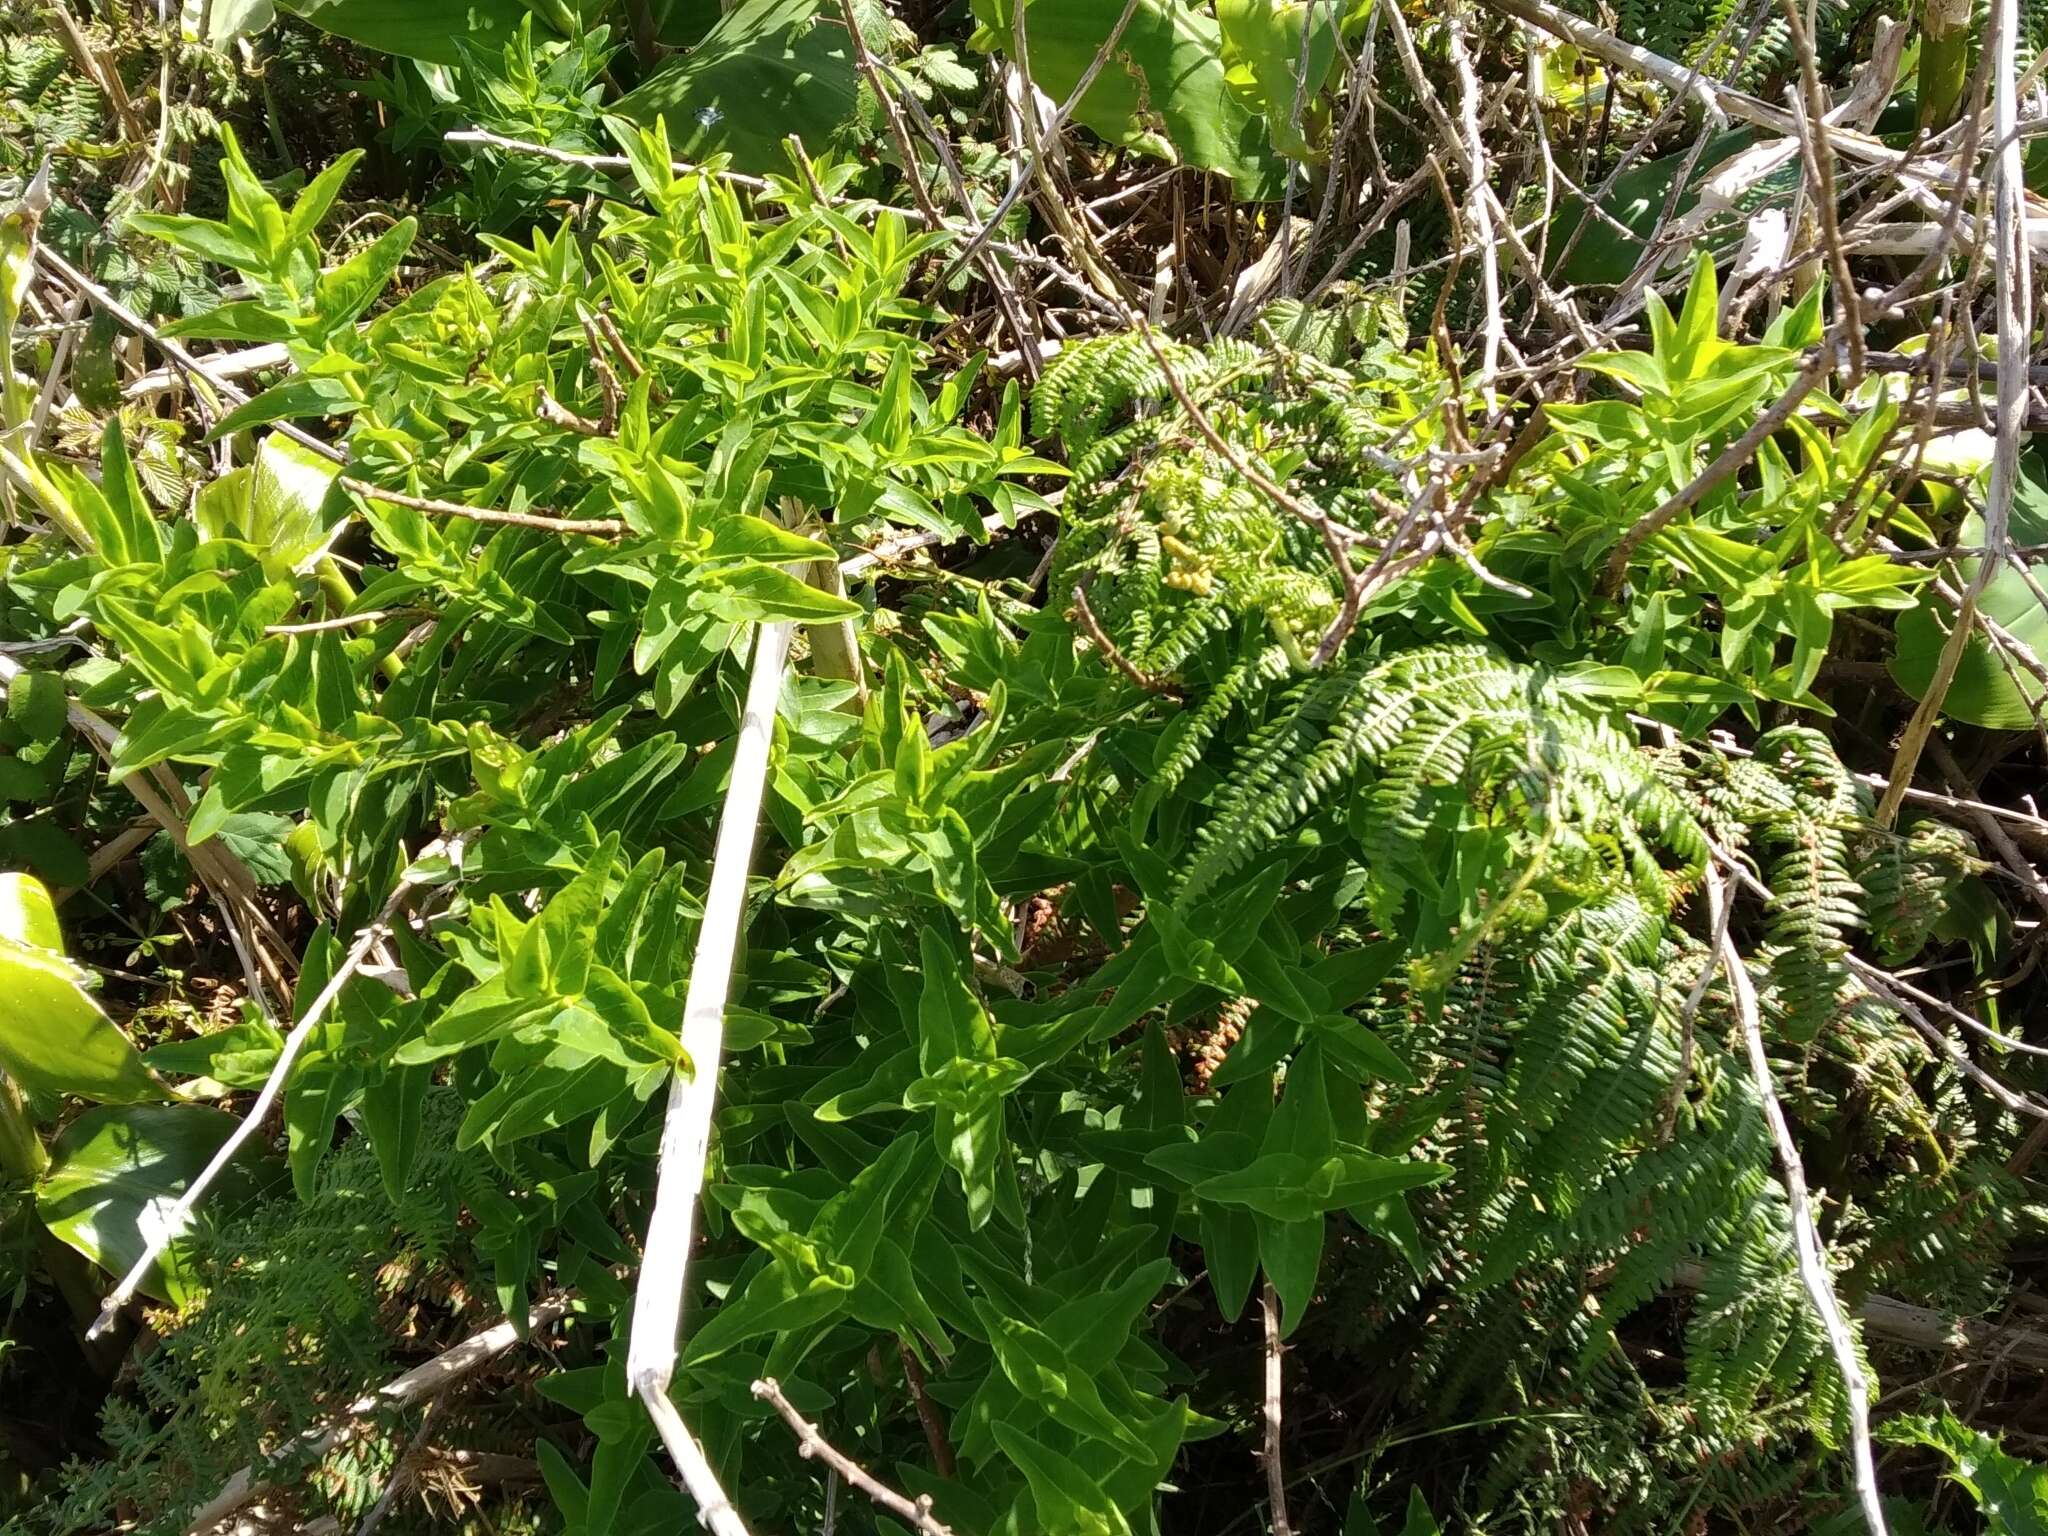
[(174, 1222), (714, 1509), (1276, 1477), (1481, 215), (422, 1381), (1711, 93), (693, 1091), (2014, 275), (1813, 1264)]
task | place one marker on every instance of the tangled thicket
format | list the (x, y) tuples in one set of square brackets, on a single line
[(1391, 661)]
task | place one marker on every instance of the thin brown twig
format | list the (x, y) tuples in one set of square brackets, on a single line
[(556, 414), (607, 380), (928, 1413), (809, 1443), (405, 1469), (610, 329), (605, 527), (2013, 276), (1084, 614)]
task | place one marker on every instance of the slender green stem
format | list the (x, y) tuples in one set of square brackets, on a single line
[(1944, 60), (21, 1150)]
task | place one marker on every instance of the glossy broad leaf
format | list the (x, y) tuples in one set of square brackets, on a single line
[(767, 69), (413, 30), (1986, 690), (27, 915), (1165, 94), (116, 1172), (273, 504), (54, 1037)]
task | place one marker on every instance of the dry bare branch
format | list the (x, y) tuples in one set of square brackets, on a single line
[(424, 1381), (2014, 279), (809, 1443)]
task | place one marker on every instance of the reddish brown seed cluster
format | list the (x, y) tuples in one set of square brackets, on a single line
[(1211, 1049)]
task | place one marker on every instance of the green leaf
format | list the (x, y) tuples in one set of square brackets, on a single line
[(1287, 1186), (1601, 254), (1230, 1245), (1984, 691), (775, 1301), (1642, 369), (54, 1037), (951, 1022), (303, 395), (207, 239), (2011, 1494), (764, 593), (274, 504), (1068, 1501), (1291, 1252), (311, 205), (1263, 47), (742, 535), (46, 848), (1167, 94), (417, 31), (115, 1173), (344, 292), (1275, 1184), (129, 535), (1695, 341), (1419, 1521), (257, 838), (243, 320), (322, 1088), (27, 914), (765, 70), (239, 1056), (1360, 1052)]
